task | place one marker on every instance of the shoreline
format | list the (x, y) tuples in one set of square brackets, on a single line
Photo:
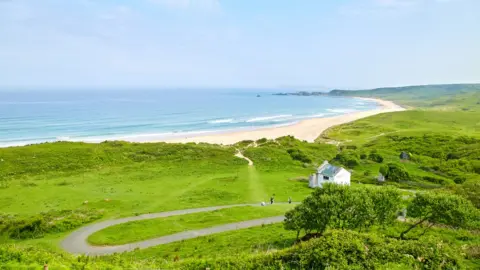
[(307, 129)]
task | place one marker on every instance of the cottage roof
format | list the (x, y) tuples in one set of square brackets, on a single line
[(329, 170)]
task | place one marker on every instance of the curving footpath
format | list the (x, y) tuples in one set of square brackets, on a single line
[(76, 242)]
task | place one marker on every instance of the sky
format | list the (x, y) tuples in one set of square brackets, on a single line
[(238, 43)]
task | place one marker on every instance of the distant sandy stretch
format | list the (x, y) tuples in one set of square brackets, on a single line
[(307, 130)]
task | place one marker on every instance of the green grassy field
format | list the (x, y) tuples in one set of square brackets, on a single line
[(149, 186), (48, 190), (146, 229), (246, 241), (465, 97)]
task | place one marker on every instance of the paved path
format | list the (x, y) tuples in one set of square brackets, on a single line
[(77, 243)]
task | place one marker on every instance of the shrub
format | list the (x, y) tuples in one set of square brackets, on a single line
[(460, 180), (262, 140), (343, 207), (374, 156), (435, 180), (470, 191), (348, 159), (298, 155), (44, 223), (395, 172), (438, 208), (343, 250)]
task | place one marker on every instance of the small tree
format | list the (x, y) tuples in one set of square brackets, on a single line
[(343, 207), (299, 219), (470, 191), (460, 180), (441, 208), (374, 156), (395, 172), (386, 204)]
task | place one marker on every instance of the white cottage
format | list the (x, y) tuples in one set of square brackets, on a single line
[(328, 173)]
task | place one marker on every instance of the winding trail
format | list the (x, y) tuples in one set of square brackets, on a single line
[(240, 155), (76, 242)]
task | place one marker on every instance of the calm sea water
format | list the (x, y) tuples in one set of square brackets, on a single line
[(40, 116)]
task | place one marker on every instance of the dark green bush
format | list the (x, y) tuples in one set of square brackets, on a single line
[(343, 250), (347, 158), (460, 180), (262, 140), (436, 180), (374, 156), (343, 207), (395, 172), (298, 155), (44, 223)]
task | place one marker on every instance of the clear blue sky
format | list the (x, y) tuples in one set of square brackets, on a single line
[(238, 43)]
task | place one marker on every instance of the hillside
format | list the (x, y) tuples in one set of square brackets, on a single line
[(48, 191), (447, 96)]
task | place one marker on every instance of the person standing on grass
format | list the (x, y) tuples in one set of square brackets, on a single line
[(271, 200), (289, 200)]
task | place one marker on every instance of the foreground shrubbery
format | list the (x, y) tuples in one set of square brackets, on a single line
[(344, 250), (49, 222), (337, 250), (344, 207), (433, 209), (357, 208), (15, 257)]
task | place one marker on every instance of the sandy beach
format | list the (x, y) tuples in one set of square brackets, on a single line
[(307, 130)]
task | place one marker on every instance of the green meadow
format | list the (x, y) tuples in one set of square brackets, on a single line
[(147, 229), (49, 190)]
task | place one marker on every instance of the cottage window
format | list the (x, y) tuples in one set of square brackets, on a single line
[(326, 178)]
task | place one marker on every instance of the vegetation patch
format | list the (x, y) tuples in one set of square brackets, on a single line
[(146, 229), (39, 225)]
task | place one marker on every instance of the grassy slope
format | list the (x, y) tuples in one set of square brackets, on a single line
[(446, 112), (413, 122), (140, 178), (146, 229), (143, 178), (440, 97), (252, 240)]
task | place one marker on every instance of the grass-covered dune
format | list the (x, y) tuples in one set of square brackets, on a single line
[(49, 190), (440, 97)]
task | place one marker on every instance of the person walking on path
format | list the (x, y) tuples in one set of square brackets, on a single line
[(271, 200), (289, 200)]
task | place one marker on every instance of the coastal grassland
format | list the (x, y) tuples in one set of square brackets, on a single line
[(443, 147), (246, 241), (270, 238), (269, 244), (42, 185), (45, 188), (129, 179), (465, 97), (414, 122), (146, 229)]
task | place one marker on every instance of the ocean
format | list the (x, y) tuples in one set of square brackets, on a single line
[(28, 117)]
